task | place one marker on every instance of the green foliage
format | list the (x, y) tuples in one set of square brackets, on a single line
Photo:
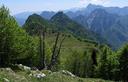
[(83, 57), (15, 44), (104, 67), (80, 64), (124, 63), (34, 23), (64, 24)]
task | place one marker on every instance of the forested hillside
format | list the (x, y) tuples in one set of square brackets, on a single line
[(42, 50)]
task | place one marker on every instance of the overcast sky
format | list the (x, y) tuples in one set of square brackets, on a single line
[(17, 6)]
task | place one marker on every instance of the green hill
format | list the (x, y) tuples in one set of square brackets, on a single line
[(71, 44), (64, 23), (61, 22)]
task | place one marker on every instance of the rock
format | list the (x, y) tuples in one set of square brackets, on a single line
[(5, 80), (67, 73), (7, 69), (39, 76), (24, 68), (47, 72)]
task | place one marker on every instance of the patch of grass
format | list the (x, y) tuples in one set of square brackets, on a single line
[(70, 45), (22, 76)]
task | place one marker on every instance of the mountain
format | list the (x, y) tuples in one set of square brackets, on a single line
[(118, 33), (21, 17), (99, 21), (73, 13), (81, 20), (110, 26), (64, 23), (34, 22), (82, 11), (113, 10), (47, 14), (91, 7)]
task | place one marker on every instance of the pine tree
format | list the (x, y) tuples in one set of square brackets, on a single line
[(124, 64)]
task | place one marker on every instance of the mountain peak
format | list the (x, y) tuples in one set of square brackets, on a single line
[(94, 6), (47, 14), (60, 13), (34, 17), (60, 16)]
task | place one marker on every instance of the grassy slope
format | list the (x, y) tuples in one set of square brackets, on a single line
[(22, 76), (70, 45)]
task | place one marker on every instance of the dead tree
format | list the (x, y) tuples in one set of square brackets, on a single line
[(59, 49), (56, 51), (42, 48)]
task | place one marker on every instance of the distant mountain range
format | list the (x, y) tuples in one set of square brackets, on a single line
[(61, 22), (21, 17), (110, 23)]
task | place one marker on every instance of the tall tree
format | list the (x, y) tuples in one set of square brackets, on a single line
[(15, 43), (42, 47), (124, 64)]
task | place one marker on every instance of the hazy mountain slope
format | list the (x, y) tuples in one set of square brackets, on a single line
[(110, 26), (99, 21), (72, 13), (118, 33), (113, 10), (21, 17), (64, 23), (47, 14), (81, 20)]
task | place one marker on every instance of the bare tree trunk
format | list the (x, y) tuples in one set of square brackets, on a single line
[(44, 64), (42, 49), (54, 52), (59, 49)]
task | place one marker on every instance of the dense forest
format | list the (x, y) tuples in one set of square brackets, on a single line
[(58, 44)]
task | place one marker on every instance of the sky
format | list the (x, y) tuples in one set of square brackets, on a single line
[(17, 6)]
